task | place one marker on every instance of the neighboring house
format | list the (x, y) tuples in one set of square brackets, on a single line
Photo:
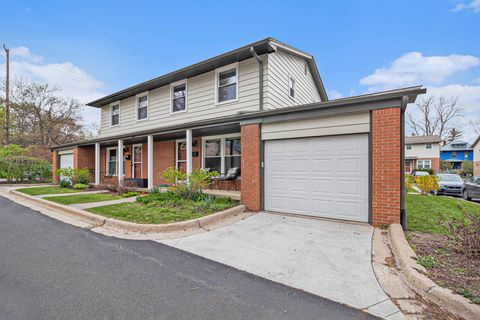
[(456, 152), (422, 152), (261, 108), (476, 157)]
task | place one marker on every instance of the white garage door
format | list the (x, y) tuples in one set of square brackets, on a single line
[(66, 161), (319, 176)]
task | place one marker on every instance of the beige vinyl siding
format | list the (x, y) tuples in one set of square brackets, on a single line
[(281, 65), (325, 126), (200, 103)]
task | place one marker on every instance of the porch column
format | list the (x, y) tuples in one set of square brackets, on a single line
[(189, 153), (97, 163), (120, 162), (150, 161)]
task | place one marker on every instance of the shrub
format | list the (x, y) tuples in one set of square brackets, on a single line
[(155, 190), (408, 181), (80, 186), (445, 166), (130, 194), (465, 233), (75, 176), (11, 150), (467, 168), (64, 183), (427, 183), (199, 179), (19, 168)]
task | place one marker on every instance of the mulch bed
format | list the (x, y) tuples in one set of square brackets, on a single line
[(455, 271)]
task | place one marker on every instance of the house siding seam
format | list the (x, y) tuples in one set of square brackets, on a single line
[(386, 166), (250, 167)]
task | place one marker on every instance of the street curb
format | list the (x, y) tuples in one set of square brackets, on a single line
[(412, 272), (130, 227)]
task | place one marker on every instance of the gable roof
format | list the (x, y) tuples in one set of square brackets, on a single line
[(422, 139), (449, 146), (267, 45), (475, 142)]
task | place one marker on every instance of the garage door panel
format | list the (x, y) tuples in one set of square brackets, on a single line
[(330, 180)]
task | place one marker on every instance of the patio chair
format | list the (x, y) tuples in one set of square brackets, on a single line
[(226, 181)]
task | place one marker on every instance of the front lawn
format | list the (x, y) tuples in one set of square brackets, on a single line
[(83, 198), (428, 213), (448, 261), (165, 208), (35, 191)]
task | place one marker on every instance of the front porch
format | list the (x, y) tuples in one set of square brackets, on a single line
[(220, 148)]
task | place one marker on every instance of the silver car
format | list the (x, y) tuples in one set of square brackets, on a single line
[(449, 184)]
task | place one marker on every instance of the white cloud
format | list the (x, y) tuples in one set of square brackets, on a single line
[(73, 81), (334, 94), (413, 68), (473, 5)]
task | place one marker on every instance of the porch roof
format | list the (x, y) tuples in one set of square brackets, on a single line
[(362, 103)]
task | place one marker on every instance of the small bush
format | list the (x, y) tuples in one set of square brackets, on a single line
[(18, 168), (465, 233), (199, 179), (75, 176), (130, 194), (80, 186), (408, 181), (64, 183), (155, 190), (428, 262), (427, 184)]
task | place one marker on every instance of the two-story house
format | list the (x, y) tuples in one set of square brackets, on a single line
[(456, 152), (261, 111), (422, 152)]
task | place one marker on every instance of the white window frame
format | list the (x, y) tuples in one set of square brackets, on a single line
[(222, 138), (107, 162), (172, 86), (137, 97), (408, 147), (421, 164), (217, 74), (177, 143), (133, 160), (292, 79), (428, 146), (116, 103)]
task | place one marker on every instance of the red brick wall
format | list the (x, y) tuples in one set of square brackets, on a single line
[(54, 165), (163, 157), (250, 168), (84, 157), (386, 166)]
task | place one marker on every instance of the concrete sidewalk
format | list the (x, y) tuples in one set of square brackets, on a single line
[(102, 203), (329, 259)]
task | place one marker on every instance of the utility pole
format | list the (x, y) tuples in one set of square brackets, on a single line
[(7, 97)]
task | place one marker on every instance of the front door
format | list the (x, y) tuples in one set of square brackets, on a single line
[(137, 161), (408, 166)]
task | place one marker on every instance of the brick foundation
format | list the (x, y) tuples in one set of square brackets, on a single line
[(386, 166), (250, 167)]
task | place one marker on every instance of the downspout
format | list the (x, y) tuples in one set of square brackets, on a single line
[(403, 213), (260, 78)]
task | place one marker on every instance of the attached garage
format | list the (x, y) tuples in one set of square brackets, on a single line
[(322, 175)]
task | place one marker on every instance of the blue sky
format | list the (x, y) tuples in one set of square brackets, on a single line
[(92, 48)]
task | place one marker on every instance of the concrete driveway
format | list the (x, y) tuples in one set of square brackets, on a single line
[(329, 259)]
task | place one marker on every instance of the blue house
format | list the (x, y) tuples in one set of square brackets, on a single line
[(456, 152)]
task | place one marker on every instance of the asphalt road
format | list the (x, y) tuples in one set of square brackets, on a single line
[(51, 270)]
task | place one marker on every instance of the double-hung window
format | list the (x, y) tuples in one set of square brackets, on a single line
[(222, 153), (408, 146), (112, 162), (179, 97), (142, 107), (291, 87), (115, 114), (424, 164), (226, 84), (428, 146)]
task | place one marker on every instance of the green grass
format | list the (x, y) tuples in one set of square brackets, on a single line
[(165, 208), (83, 198), (46, 190), (412, 190), (139, 213), (428, 213)]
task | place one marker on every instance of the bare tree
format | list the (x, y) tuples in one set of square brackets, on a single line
[(41, 117), (454, 134), (475, 125), (434, 116)]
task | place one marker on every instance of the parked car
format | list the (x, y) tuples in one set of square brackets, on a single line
[(471, 188), (416, 173), (449, 184)]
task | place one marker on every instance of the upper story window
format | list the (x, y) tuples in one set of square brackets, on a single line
[(465, 154), (115, 114), (142, 107), (428, 146), (454, 154), (291, 87), (408, 146), (179, 97), (226, 81)]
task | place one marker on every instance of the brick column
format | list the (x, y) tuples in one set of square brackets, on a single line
[(250, 168), (386, 166), (54, 165)]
